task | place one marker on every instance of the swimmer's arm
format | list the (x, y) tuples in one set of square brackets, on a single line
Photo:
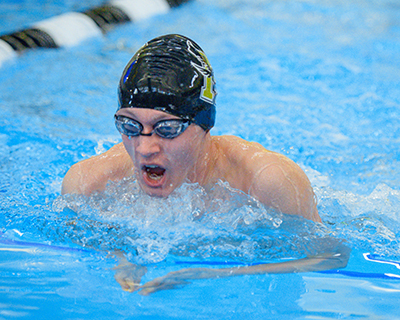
[(93, 174), (325, 261), (283, 186)]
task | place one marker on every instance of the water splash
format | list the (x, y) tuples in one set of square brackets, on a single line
[(222, 223), (368, 222)]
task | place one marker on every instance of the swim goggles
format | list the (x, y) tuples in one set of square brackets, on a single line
[(168, 129)]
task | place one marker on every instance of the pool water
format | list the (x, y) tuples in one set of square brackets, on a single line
[(316, 81)]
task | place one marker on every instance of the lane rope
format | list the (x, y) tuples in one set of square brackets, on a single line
[(72, 28)]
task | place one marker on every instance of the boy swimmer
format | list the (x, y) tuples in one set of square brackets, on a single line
[(166, 110)]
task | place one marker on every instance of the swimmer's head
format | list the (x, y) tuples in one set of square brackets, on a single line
[(172, 74)]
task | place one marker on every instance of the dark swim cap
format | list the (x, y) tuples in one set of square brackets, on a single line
[(171, 73)]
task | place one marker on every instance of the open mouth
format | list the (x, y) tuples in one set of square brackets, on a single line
[(153, 174)]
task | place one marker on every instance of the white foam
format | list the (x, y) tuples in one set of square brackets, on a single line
[(139, 10), (69, 29), (6, 52)]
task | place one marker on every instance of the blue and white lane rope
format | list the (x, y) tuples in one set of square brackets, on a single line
[(71, 28)]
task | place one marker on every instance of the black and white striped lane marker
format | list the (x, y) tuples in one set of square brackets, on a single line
[(71, 28)]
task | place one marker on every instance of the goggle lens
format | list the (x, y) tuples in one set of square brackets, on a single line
[(167, 129)]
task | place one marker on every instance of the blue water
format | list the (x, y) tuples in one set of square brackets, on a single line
[(316, 81)]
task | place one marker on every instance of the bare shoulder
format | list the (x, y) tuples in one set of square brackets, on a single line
[(233, 142), (93, 174), (272, 178), (249, 156)]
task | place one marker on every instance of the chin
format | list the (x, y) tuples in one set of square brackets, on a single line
[(157, 192)]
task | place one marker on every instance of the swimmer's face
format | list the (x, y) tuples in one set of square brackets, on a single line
[(161, 165)]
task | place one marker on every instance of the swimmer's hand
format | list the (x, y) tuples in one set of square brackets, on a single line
[(129, 275), (180, 278), (172, 280)]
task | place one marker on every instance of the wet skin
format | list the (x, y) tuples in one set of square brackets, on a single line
[(161, 165)]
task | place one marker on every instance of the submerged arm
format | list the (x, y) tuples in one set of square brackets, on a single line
[(324, 261)]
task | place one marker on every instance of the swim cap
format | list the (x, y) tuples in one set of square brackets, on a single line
[(172, 74)]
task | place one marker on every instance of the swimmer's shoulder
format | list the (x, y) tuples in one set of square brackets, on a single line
[(238, 150), (242, 162), (259, 172), (93, 174), (239, 160)]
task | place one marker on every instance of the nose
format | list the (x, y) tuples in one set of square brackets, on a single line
[(147, 146)]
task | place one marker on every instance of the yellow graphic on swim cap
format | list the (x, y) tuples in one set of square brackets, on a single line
[(204, 57), (207, 91)]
